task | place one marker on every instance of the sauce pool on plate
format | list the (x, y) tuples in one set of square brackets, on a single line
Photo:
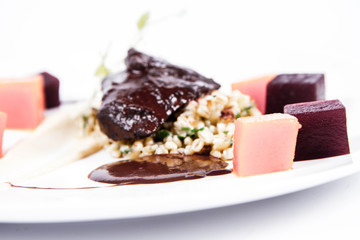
[(159, 169)]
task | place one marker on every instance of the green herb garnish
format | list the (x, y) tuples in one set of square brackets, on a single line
[(85, 121), (102, 71), (246, 110), (192, 135), (226, 132), (181, 137), (143, 20), (191, 132), (126, 151), (197, 130), (161, 134)]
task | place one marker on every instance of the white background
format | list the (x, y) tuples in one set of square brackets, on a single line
[(225, 40)]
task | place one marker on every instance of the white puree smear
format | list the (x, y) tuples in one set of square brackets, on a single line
[(56, 142)]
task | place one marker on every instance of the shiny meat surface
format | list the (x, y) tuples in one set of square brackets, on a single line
[(139, 100)]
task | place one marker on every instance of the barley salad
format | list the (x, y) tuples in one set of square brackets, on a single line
[(204, 126)]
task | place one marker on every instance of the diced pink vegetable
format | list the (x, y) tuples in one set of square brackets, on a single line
[(22, 100), (2, 128), (256, 89), (264, 144)]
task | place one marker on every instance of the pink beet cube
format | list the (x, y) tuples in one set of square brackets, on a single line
[(2, 128), (293, 88), (264, 144), (23, 101), (256, 89), (324, 132)]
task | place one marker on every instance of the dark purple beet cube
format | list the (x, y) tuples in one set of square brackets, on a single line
[(323, 132), (293, 88), (51, 90)]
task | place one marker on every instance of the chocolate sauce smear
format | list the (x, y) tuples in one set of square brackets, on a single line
[(159, 169), (139, 100)]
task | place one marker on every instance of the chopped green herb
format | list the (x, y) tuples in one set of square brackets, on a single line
[(181, 137), (246, 110), (237, 115), (197, 130), (214, 96), (192, 135), (161, 134), (126, 151), (85, 120), (191, 132), (143, 20), (231, 143), (226, 132)]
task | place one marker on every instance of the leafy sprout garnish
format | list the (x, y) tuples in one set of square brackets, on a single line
[(102, 70), (143, 21)]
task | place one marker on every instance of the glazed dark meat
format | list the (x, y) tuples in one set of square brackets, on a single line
[(139, 100)]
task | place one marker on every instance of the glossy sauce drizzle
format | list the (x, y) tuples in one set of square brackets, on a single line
[(159, 169)]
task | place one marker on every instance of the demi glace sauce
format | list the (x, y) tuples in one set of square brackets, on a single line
[(159, 169)]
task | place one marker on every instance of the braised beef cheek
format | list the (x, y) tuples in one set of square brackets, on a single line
[(139, 100)]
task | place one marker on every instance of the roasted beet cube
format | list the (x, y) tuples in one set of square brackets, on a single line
[(293, 88), (51, 89), (323, 133)]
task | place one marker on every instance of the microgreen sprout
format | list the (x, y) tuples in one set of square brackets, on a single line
[(143, 21)]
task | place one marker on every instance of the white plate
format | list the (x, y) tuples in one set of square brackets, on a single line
[(105, 203)]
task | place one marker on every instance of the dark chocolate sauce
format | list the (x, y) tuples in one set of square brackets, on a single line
[(55, 188), (138, 101), (152, 169), (159, 169)]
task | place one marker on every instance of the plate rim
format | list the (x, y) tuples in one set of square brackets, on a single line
[(322, 178)]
